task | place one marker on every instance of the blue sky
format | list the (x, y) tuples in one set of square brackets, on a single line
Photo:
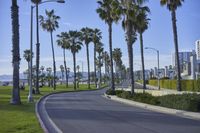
[(76, 14)]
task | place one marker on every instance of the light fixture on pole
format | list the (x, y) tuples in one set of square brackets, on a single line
[(36, 2), (157, 51)]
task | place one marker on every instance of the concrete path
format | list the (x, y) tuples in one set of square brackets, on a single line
[(89, 112)]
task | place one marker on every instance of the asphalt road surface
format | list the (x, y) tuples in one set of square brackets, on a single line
[(89, 112)]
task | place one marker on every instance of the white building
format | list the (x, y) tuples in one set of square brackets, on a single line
[(198, 49)]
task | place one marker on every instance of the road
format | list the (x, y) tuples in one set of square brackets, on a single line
[(89, 112)]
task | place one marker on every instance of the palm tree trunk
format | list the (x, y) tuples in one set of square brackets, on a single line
[(142, 59), (130, 55), (178, 85), (66, 74), (88, 64), (37, 91), (54, 63), (16, 54), (111, 58), (74, 59), (95, 73), (100, 68)]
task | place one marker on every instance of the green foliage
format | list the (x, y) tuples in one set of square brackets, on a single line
[(125, 94), (189, 102), (110, 92), (187, 85)]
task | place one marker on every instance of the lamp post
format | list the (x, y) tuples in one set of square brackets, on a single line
[(37, 2), (157, 51)]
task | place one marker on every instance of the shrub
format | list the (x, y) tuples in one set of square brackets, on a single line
[(125, 94), (189, 102), (145, 98), (110, 92)]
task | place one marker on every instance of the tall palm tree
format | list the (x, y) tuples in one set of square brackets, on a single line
[(63, 43), (62, 69), (99, 50), (49, 70), (172, 6), (50, 24), (15, 99), (96, 37), (86, 36), (142, 25), (129, 12), (27, 57), (74, 45), (108, 12)]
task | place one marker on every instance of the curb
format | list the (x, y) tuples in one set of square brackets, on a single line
[(180, 113), (43, 98)]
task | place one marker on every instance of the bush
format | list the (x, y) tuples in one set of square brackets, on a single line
[(189, 102), (110, 92), (125, 94)]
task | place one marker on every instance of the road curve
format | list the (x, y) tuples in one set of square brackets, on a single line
[(89, 112)]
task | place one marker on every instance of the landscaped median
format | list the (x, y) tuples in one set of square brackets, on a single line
[(185, 105), (22, 118)]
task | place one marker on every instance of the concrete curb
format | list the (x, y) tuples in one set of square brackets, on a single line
[(180, 113), (43, 98)]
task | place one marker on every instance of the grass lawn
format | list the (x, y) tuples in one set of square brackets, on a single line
[(22, 118)]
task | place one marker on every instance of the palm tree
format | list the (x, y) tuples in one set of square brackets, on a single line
[(142, 25), (117, 55), (62, 69), (96, 37), (108, 12), (172, 6), (129, 12), (50, 24), (15, 99), (99, 50), (62, 42), (49, 70), (86, 36), (27, 57), (74, 45), (42, 75)]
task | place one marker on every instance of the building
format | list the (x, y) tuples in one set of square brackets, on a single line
[(198, 49), (184, 57)]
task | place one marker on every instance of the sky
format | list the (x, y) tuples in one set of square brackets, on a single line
[(76, 14)]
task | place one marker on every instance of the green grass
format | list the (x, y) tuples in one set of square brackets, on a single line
[(22, 118)]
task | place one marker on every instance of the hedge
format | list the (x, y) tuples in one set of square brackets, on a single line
[(187, 85), (189, 102)]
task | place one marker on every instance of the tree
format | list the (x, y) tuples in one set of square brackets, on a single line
[(42, 75), (49, 70), (27, 57), (62, 69), (108, 12), (63, 43), (117, 55), (15, 99), (99, 50), (172, 6), (96, 37), (86, 36), (142, 25), (74, 45), (50, 24), (129, 11)]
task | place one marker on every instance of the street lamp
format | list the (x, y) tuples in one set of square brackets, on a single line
[(157, 51), (37, 2)]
